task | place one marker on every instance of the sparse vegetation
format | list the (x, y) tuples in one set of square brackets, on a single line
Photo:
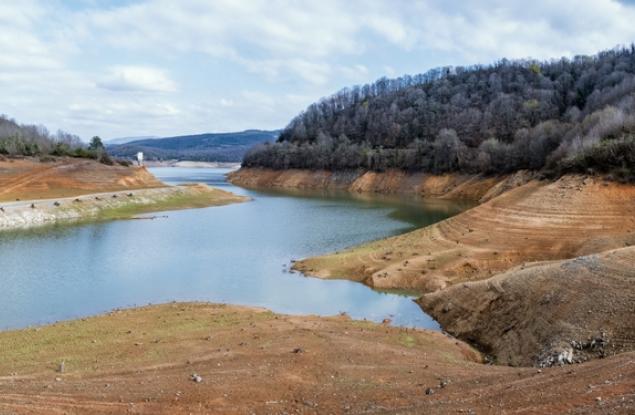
[(35, 140), (558, 116)]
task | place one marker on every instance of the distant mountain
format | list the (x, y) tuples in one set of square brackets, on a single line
[(226, 147), (125, 140)]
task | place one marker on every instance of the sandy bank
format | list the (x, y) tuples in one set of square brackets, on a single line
[(112, 205), (255, 361), (68, 190)]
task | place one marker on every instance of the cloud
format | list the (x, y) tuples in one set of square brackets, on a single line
[(137, 78), (113, 70), (492, 29), (20, 48), (278, 38), (272, 69)]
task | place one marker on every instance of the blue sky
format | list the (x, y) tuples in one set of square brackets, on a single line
[(157, 67)]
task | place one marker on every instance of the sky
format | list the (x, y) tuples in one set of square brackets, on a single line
[(117, 68)]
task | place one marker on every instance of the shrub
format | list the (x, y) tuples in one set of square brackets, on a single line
[(614, 156), (123, 162), (46, 159)]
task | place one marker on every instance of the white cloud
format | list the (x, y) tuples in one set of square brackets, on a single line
[(313, 72), (137, 78), (20, 49), (280, 38), (393, 29), (493, 29), (256, 63), (390, 71)]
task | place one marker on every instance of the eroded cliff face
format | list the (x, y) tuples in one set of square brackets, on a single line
[(447, 186), (546, 313)]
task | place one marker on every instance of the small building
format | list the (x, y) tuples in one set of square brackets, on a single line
[(140, 158)]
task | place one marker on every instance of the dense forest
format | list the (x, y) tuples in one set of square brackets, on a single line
[(35, 140), (223, 147), (566, 115)]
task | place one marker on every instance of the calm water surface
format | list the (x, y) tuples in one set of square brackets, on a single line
[(236, 254)]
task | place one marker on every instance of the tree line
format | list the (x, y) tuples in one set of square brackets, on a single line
[(566, 115), (36, 141)]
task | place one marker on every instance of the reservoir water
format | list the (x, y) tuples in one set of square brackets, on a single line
[(236, 254)]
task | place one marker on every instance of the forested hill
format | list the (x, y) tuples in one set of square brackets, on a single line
[(225, 147), (557, 116)]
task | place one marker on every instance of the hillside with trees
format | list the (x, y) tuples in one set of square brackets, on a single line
[(566, 115), (35, 140), (222, 147)]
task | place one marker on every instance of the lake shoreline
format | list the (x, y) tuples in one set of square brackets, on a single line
[(109, 206), (519, 222), (477, 188), (152, 357), (192, 357), (272, 230), (190, 164), (64, 190)]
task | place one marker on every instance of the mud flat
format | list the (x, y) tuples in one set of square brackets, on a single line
[(207, 358), (536, 221)]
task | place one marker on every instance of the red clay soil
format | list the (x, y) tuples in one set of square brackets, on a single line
[(447, 186), (536, 221), (28, 178), (256, 362)]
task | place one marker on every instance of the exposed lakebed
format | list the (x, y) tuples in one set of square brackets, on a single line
[(237, 254)]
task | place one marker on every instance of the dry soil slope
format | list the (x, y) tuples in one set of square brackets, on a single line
[(531, 222), (546, 313), (447, 186), (521, 312), (253, 361), (64, 177)]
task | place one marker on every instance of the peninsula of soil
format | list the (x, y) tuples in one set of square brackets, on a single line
[(70, 190)]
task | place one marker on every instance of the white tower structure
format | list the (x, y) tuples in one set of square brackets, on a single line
[(140, 158)]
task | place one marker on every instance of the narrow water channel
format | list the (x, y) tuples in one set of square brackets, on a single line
[(236, 254)]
